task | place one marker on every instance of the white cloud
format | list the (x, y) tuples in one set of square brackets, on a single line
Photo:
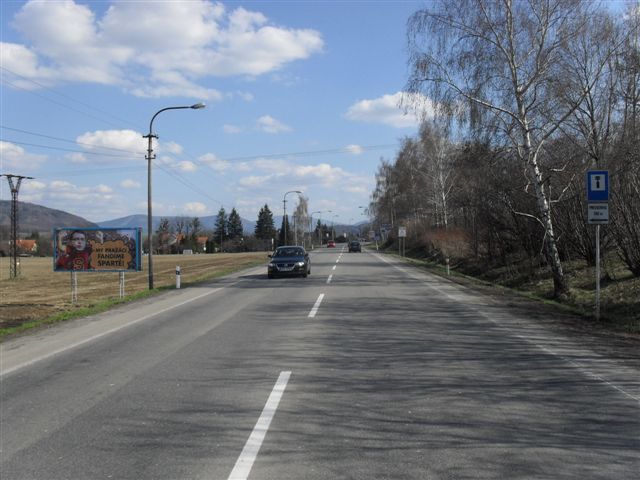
[(246, 96), (231, 129), (271, 165), (14, 156), (354, 149), (171, 147), (357, 189), (195, 208), (323, 172), (387, 110), (186, 166), (79, 195), (255, 181), (32, 191), (161, 51), (128, 183), (77, 157), (114, 145), (214, 162), (268, 124), (282, 174)]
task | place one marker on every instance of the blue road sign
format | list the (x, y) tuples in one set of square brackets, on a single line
[(598, 186)]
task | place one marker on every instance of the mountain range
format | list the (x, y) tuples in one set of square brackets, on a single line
[(208, 222), (38, 218)]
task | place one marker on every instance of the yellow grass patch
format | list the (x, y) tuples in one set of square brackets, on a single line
[(39, 292)]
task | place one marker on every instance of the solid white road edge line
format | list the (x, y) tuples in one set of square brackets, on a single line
[(581, 368), (250, 451), (316, 306), (329, 279)]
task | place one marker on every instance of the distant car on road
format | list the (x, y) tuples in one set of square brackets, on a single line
[(289, 260), (354, 246), (331, 244)]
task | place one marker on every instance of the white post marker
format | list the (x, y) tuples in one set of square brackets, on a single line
[(121, 284), (250, 451), (178, 277)]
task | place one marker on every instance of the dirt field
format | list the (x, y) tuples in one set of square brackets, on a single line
[(40, 292)]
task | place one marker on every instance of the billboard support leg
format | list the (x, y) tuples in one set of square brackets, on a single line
[(74, 287)]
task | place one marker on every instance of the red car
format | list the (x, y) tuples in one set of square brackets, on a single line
[(331, 244)]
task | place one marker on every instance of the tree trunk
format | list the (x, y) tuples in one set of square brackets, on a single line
[(560, 286)]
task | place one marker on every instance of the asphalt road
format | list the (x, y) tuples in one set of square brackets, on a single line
[(367, 369)]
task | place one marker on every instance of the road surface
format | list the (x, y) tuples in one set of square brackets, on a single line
[(367, 369)]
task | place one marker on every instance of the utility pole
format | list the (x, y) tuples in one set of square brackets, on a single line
[(15, 187)]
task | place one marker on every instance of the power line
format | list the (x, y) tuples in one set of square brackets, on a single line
[(44, 87), (50, 147), (75, 142), (177, 176)]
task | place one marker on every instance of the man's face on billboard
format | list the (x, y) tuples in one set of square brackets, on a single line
[(78, 241)]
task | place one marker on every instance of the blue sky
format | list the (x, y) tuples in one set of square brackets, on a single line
[(301, 95)]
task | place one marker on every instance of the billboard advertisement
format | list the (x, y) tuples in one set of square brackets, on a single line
[(97, 249)]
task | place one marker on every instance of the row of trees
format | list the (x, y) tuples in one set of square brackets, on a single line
[(519, 100), (184, 233)]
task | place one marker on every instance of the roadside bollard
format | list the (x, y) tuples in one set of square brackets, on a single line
[(178, 277), (447, 262)]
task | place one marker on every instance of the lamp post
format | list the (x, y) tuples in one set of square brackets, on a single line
[(150, 157), (363, 210), (284, 218), (333, 230)]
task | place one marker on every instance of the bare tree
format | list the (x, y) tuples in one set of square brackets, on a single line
[(301, 218), (497, 65), (625, 185), (438, 167)]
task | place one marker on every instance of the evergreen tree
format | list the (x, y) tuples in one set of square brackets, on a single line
[(196, 229), (220, 232), (234, 225), (265, 229), (281, 239)]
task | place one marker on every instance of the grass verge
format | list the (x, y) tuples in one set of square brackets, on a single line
[(34, 301)]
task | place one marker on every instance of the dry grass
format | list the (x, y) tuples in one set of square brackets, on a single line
[(40, 292)]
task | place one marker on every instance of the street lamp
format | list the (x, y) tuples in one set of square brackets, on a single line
[(333, 230), (284, 219), (150, 157)]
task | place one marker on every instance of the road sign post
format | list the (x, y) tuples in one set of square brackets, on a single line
[(402, 238), (598, 214)]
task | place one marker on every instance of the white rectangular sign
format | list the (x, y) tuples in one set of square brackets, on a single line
[(598, 213), (402, 231)]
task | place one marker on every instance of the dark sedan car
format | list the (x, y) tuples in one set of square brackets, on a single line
[(290, 260), (354, 246)]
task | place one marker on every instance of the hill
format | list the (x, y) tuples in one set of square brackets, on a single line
[(36, 218), (133, 221)]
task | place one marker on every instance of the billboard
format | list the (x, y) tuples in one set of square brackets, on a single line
[(97, 249)]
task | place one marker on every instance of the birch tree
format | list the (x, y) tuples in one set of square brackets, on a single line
[(301, 218), (497, 64)]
